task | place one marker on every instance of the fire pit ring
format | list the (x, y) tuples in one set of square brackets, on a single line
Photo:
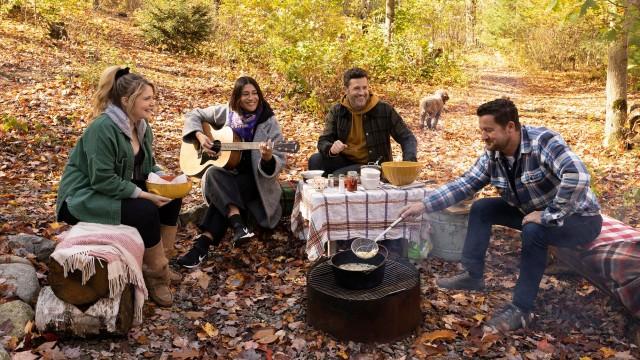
[(385, 313)]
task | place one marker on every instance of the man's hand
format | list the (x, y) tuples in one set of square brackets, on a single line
[(205, 143), (534, 217), (337, 147), (412, 211), (266, 150)]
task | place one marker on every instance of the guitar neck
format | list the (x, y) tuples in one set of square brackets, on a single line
[(238, 146)]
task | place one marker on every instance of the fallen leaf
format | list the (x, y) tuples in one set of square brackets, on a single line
[(626, 355), (194, 315), (24, 355), (607, 352), (180, 342), (235, 281), (437, 335), (210, 330), (263, 332), (185, 354), (544, 346), (202, 278), (298, 344), (267, 339)]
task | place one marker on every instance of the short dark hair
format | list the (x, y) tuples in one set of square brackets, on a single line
[(503, 111), (236, 94), (354, 73)]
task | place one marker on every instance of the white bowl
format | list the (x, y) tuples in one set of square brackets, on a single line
[(310, 174), (319, 183)]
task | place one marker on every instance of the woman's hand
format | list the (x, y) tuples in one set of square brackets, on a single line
[(266, 150), (205, 143), (157, 200), (412, 211)]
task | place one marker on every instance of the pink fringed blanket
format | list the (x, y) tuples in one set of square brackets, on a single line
[(120, 246)]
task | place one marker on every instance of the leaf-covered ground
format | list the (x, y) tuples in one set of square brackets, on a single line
[(250, 302)]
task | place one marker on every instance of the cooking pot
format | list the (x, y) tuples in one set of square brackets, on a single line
[(359, 279)]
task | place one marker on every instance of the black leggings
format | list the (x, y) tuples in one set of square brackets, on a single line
[(142, 214)]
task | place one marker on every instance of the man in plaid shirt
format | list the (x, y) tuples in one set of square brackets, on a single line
[(544, 192)]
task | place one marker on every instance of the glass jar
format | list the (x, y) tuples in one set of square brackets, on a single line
[(351, 181)]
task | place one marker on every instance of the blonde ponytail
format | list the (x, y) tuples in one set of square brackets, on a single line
[(112, 91), (101, 97)]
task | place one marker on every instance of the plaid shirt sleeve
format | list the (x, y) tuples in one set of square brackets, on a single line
[(468, 184), (573, 175)]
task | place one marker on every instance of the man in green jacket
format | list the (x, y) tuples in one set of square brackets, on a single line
[(358, 130)]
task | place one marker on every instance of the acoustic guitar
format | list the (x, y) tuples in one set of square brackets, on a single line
[(228, 145)]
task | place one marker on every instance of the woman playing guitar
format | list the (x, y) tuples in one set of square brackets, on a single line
[(251, 187)]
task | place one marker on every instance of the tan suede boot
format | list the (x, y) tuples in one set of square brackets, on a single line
[(168, 236), (155, 269)]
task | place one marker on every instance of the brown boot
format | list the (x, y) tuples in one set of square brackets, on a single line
[(168, 236), (156, 275)]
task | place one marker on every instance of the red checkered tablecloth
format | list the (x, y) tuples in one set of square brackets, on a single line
[(322, 216), (614, 231)]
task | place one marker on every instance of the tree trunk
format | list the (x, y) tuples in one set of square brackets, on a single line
[(365, 8), (389, 19), (616, 111), (470, 17)]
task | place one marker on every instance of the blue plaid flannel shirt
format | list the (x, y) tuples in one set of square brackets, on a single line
[(553, 180)]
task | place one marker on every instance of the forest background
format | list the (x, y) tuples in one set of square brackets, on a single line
[(571, 65)]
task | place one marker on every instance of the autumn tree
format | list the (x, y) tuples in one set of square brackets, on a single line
[(471, 8), (390, 15), (616, 88)]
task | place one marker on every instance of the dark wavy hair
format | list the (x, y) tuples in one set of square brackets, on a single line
[(236, 94), (503, 111), (354, 73)]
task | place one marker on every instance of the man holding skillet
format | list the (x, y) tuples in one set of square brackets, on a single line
[(358, 129), (544, 192)]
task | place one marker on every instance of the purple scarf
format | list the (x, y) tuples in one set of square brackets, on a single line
[(244, 124)]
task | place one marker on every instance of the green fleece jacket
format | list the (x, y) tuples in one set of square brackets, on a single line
[(99, 172)]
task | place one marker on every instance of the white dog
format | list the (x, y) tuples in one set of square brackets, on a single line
[(431, 107)]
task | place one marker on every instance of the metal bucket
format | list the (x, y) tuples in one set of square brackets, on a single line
[(448, 232)]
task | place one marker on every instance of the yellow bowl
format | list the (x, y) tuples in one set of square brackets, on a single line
[(401, 172), (172, 191)]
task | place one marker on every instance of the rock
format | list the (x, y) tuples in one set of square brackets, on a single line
[(192, 214), (22, 280), (14, 315), (36, 245), (3, 354)]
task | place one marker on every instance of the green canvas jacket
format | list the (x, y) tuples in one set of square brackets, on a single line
[(99, 171)]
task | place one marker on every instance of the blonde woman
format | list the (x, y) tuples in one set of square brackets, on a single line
[(104, 180)]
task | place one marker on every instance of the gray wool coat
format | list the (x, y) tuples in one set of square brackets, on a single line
[(268, 185)]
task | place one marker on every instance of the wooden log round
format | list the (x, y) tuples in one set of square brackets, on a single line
[(106, 316), (70, 288)]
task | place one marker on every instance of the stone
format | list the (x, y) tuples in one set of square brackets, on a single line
[(192, 214), (22, 280), (39, 246), (14, 315)]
